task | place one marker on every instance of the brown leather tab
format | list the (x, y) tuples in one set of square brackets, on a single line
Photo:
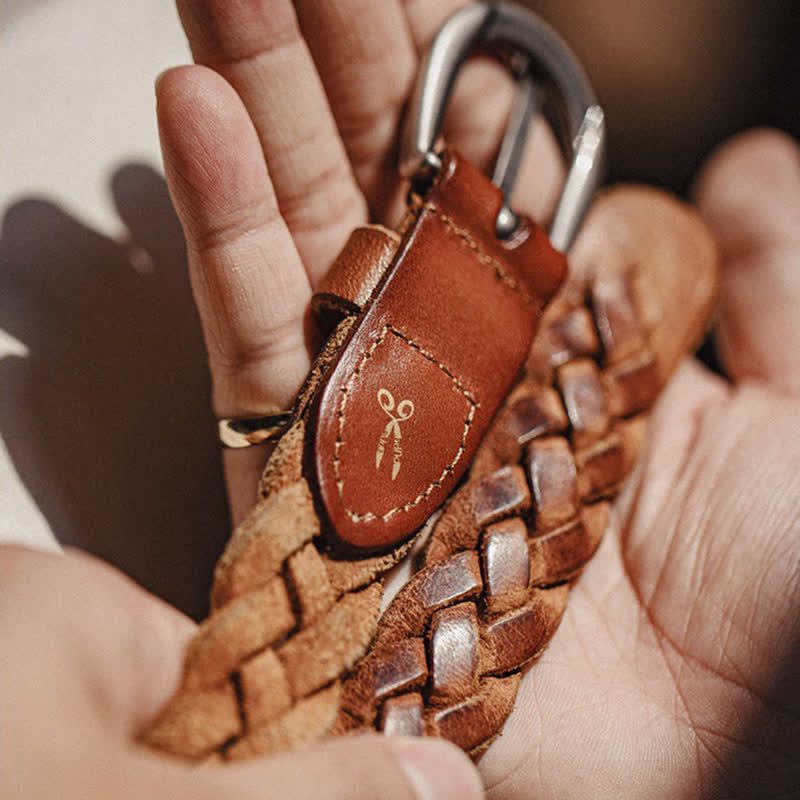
[(355, 273), (429, 362)]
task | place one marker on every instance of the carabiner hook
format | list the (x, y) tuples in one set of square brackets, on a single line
[(544, 68)]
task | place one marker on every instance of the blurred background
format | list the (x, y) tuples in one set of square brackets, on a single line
[(678, 77), (104, 399)]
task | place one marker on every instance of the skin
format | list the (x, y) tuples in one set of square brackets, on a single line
[(95, 659), (673, 673)]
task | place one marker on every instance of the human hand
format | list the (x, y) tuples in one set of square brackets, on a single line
[(674, 673), (88, 658), (270, 182), (662, 681)]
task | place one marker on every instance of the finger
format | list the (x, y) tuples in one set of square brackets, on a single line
[(367, 62), (84, 634), (354, 768), (249, 283), (258, 47), (750, 194), (248, 280)]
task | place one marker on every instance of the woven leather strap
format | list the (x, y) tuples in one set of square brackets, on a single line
[(449, 649), (293, 649)]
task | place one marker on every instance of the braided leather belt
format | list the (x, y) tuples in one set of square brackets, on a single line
[(447, 386)]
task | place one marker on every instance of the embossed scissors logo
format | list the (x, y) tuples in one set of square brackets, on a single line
[(405, 410)]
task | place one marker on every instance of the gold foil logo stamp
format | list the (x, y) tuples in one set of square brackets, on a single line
[(404, 411)]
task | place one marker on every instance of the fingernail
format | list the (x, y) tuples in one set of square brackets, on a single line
[(436, 770)]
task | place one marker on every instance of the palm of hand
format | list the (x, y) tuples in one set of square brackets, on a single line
[(665, 676), (674, 673)]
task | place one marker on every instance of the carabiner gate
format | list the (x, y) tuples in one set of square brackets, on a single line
[(545, 70)]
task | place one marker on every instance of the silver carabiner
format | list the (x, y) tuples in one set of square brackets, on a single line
[(548, 79)]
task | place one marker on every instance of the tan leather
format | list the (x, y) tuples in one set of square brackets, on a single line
[(440, 343), (294, 649), (356, 272)]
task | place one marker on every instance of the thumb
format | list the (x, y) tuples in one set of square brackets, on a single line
[(351, 768), (85, 634)]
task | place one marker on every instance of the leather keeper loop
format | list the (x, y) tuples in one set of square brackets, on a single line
[(400, 413), (353, 276)]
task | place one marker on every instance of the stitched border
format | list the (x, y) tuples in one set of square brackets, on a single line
[(483, 257), (345, 393)]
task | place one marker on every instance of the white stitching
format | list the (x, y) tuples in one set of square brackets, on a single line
[(483, 258), (345, 392)]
